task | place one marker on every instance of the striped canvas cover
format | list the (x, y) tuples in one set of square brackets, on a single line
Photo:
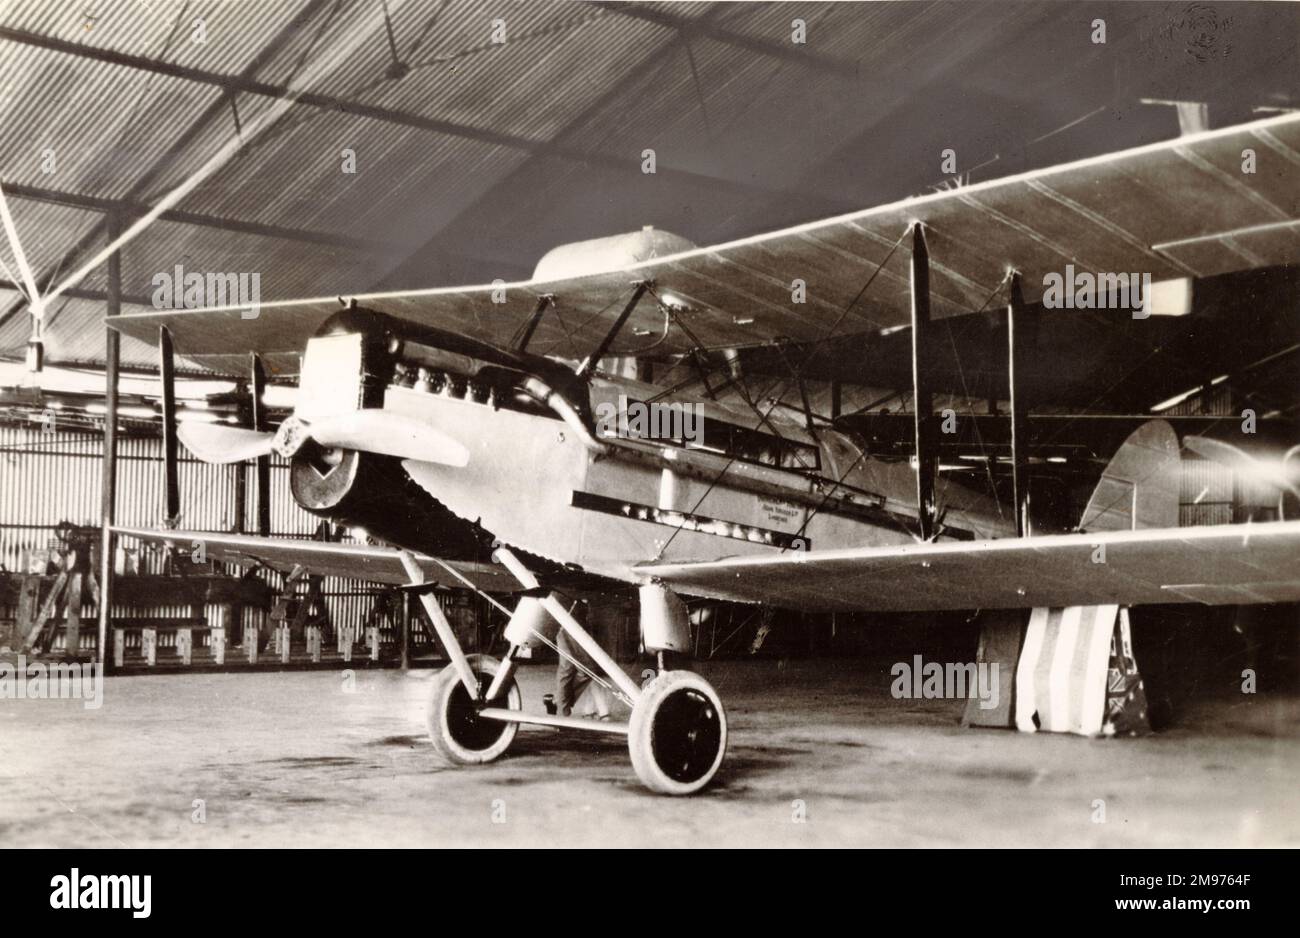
[(1062, 676)]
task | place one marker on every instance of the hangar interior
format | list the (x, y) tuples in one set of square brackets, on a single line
[(331, 148)]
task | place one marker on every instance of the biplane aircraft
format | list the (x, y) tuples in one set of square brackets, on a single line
[(429, 418)]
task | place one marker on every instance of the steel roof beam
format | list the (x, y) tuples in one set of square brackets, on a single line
[(198, 219), (237, 83), (80, 293), (702, 27), (626, 83)]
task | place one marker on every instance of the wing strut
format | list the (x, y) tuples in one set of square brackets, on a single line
[(171, 470), (591, 360), (571, 626), (260, 423), (922, 394), (698, 354), (1016, 402), (525, 334), (796, 374), (441, 627)]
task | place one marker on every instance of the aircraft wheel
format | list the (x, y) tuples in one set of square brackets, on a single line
[(458, 733), (678, 734)]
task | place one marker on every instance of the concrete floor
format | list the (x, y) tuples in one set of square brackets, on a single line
[(291, 759)]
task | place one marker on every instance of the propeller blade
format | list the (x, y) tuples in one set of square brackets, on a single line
[(381, 431), (1237, 459), (215, 443)]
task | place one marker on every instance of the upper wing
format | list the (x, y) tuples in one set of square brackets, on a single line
[(1220, 565), (1178, 208), (353, 561)]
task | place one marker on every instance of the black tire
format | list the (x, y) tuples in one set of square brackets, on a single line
[(677, 736), (456, 730)]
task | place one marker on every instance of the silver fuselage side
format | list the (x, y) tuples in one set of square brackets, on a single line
[(607, 503)]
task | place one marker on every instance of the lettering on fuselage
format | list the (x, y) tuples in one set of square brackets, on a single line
[(779, 512)]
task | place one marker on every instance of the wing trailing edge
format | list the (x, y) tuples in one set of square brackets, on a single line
[(1174, 209)]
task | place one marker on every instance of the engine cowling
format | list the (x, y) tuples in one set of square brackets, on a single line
[(374, 492)]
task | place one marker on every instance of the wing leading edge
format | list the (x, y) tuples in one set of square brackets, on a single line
[(353, 561), (1219, 565)]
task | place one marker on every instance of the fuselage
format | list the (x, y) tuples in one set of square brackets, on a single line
[(578, 469)]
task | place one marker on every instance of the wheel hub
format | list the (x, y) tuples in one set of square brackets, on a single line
[(687, 735), (465, 725)]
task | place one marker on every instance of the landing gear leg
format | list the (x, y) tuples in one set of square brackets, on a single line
[(677, 736), (463, 689), (458, 731)]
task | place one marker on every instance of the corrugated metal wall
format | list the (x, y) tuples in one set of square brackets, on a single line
[(1207, 493), (51, 477), (1209, 490), (48, 478)]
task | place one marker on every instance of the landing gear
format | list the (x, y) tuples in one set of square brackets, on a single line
[(677, 736), (678, 733), (460, 734)]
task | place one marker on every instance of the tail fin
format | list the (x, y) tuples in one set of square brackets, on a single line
[(1140, 487)]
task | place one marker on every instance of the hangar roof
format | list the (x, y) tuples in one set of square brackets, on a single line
[(474, 157)]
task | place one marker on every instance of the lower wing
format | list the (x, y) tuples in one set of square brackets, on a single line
[(354, 561), (1220, 565)]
